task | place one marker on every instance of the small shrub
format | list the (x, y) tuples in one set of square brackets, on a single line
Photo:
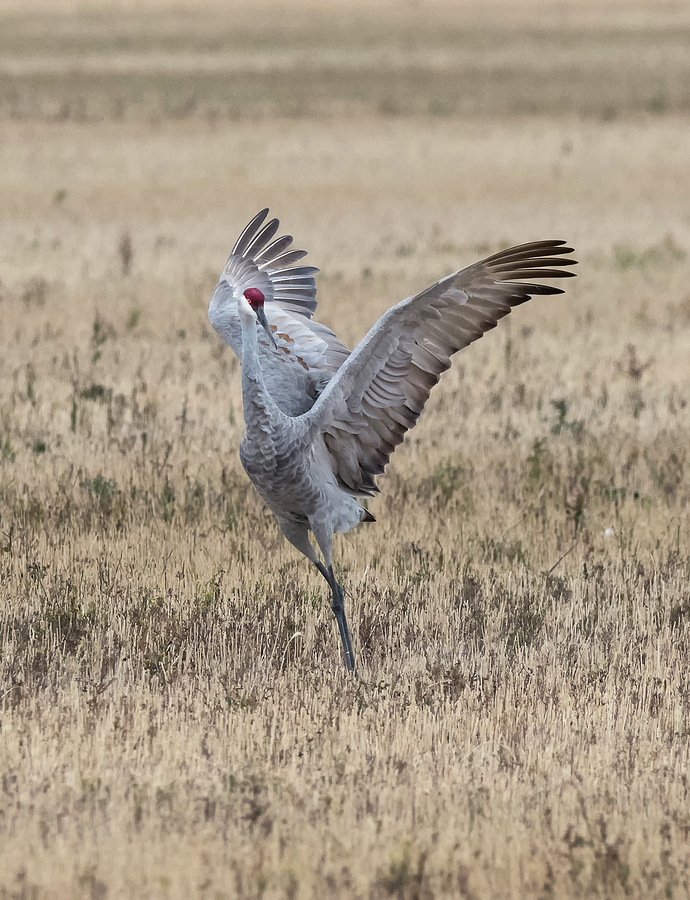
[(102, 492)]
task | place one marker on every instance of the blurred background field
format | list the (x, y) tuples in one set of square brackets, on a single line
[(174, 720)]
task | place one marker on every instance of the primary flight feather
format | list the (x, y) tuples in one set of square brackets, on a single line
[(321, 422)]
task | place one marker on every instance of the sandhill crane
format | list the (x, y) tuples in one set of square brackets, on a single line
[(321, 422)]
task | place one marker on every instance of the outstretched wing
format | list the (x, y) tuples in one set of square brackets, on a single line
[(306, 353), (381, 389)]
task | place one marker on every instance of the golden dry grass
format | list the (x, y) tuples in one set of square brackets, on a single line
[(175, 721)]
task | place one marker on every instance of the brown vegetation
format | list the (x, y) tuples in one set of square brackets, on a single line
[(174, 721)]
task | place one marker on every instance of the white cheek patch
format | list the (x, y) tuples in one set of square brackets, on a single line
[(455, 295)]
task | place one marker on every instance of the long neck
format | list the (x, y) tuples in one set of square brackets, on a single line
[(259, 407)]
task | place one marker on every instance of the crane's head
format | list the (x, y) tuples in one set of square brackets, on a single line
[(255, 298)]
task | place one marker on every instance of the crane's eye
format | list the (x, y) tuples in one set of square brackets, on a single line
[(255, 297)]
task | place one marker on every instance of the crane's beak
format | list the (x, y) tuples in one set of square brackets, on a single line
[(261, 316)]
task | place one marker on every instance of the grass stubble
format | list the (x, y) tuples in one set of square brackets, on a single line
[(175, 720)]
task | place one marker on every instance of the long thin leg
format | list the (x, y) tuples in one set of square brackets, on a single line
[(338, 607), (297, 532)]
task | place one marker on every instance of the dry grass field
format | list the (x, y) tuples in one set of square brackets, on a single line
[(175, 720)]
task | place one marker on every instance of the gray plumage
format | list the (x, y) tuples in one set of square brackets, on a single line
[(321, 423), (308, 353)]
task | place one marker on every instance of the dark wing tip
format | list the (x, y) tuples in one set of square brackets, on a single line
[(542, 289), (560, 244), (539, 259), (249, 232)]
